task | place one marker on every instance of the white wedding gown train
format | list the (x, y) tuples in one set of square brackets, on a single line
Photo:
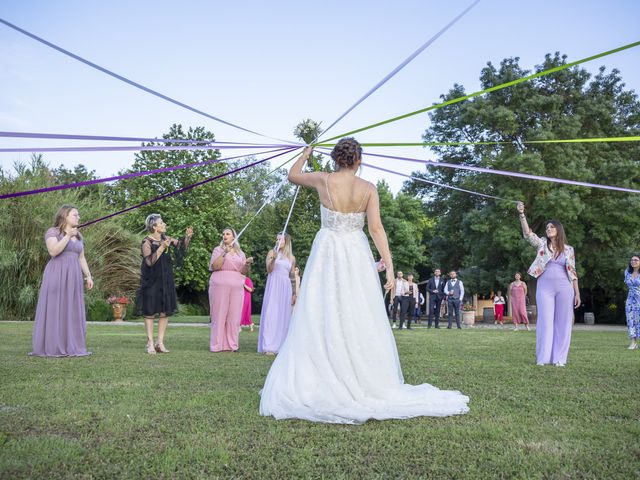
[(339, 362)]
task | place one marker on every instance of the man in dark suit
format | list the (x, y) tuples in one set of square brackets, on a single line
[(435, 287)]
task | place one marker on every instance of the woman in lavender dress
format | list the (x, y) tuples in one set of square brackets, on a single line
[(279, 296), (60, 324)]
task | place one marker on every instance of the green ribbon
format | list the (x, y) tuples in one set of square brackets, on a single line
[(492, 89), (456, 144)]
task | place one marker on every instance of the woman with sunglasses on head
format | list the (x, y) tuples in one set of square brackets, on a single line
[(557, 290), (157, 294)]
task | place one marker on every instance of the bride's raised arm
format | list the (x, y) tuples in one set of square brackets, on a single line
[(306, 179), (378, 234)]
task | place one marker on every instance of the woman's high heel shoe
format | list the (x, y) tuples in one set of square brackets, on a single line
[(161, 348), (151, 349)]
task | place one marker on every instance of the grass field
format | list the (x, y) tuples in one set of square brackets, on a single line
[(192, 414)]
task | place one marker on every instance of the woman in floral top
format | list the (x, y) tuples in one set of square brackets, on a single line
[(632, 279), (557, 293)]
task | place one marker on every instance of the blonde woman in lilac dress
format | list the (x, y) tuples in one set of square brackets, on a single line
[(60, 324), (279, 296)]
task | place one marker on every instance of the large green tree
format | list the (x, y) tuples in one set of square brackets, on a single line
[(483, 234), (208, 208)]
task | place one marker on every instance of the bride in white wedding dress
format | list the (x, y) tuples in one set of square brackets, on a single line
[(339, 362)]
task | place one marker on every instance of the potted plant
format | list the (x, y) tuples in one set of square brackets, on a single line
[(118, 306), (468, 314)]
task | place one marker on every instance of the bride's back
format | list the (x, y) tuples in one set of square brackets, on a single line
[(344, 192)]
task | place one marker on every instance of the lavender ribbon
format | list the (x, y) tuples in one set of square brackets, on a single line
[(184, 189), (130, 82), (208, 146), (404, 63), (423, 180), (64, 136), (128, 175), (528, 176)]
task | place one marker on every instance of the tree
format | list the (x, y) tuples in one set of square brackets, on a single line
[(111, 251), (208, 208), (481, 233)]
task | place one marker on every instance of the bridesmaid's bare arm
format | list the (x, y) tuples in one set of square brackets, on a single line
[(85, 270), (378, 234)]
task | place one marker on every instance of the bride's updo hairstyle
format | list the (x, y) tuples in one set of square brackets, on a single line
[(346, 153)]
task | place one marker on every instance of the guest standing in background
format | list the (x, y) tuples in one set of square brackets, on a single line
[(557, 292), (157, 294), (228, 265), (279, 296), (399, 292), (632, 305), (245, 319), (417, 310), (435, 287), (413, 300), (498, 305), (454, 290), (517, 298), (60, 324)]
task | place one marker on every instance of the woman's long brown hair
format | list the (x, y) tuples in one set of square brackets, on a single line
[(60, 220), (561, 238)]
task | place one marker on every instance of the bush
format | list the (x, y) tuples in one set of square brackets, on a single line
[(191, 310), (99, 311)]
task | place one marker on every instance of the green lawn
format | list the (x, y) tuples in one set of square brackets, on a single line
[(192, 414)]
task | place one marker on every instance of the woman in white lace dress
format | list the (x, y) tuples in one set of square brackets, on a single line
[(339, 362)]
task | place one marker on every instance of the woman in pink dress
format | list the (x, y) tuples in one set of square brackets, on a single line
[(279, 296), (498, 304), (245, 320), (518, 295), (226, 292)]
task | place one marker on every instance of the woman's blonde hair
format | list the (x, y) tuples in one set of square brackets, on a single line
[(235, 245), (287, 247), (60, 220)]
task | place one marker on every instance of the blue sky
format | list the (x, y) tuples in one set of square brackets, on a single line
[(268, 65)]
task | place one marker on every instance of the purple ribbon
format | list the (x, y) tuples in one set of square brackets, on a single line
[(130, 82), (528, 176), (184, 189), (209, 146), (128, 175), (64, 136)]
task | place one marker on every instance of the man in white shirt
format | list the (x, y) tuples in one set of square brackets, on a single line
[(454, 290), (400, 292)]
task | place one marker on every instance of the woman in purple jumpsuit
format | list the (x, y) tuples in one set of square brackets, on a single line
[(557, 290)]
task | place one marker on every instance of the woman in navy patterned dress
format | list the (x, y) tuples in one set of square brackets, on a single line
[(632, 279)]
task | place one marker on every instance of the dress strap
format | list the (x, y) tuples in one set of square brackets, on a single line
[(364, 197), (326, 184)]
